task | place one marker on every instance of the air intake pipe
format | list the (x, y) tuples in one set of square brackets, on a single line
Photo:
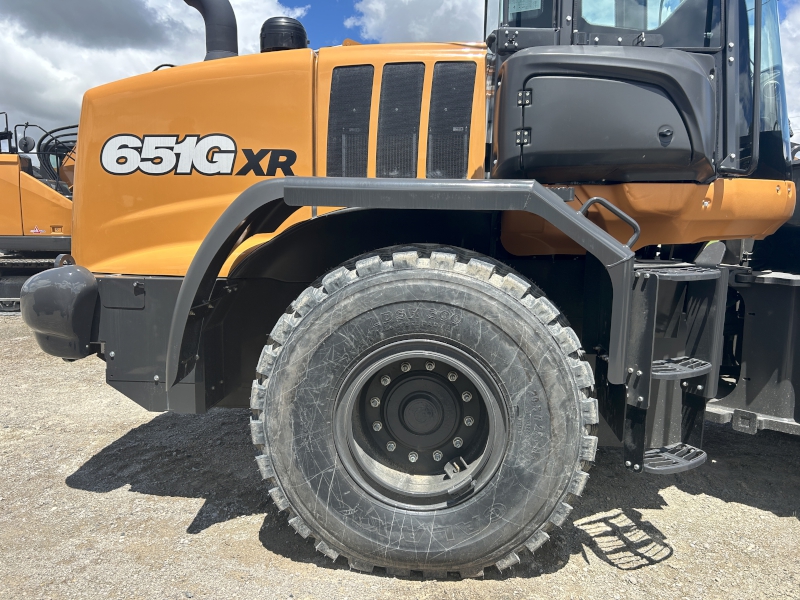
[(221, 31)]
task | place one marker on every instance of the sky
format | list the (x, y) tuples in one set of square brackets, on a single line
[(51, 51)]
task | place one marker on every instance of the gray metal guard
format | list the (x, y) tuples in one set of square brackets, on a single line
[(264, 206)]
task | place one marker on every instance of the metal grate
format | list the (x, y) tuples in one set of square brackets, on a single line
[(398, 120), (450, 118), (348, 121)]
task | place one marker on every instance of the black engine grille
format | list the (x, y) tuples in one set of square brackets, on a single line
[(398, 121), (348, 121), (450, 118)]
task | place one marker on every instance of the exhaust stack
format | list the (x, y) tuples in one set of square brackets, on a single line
[(221, 31)]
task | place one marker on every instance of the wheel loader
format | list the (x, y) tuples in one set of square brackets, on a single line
[(437, 274), (35, 203)]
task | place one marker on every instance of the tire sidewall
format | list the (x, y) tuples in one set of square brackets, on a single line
[(541, 402)]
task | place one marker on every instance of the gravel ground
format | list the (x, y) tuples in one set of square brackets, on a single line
[(101, 499)]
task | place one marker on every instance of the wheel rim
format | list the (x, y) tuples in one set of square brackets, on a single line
[(420, 424)]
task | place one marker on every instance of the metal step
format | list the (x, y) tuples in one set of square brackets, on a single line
[(681, 367), (673, 459), (675, 272)]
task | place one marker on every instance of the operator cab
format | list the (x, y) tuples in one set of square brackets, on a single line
[(628, 90)]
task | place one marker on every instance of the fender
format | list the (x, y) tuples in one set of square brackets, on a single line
[(264, 206)]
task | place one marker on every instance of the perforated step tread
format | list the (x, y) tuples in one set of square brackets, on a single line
[(683, 272), (676, 458), (681, 367)]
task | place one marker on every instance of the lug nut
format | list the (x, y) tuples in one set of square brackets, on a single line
[(405, 367), (391, 446), (452, 375), (375, 402), (386, 380), (430, 365), (377, 425), (458, 442), (469, 421), (413, 456), (437, 455), (466, 396)]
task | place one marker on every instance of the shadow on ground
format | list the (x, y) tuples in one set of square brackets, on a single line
[(211, 457)]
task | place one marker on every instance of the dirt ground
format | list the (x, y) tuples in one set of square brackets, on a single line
[(101, 499)]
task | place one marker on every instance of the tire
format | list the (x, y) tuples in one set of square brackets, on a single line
[(415, 329)]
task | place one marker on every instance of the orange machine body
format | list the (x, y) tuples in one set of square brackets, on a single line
[(273, 109), (29, 207)]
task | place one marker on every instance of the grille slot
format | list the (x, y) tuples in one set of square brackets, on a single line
[(348, 121), (398, 120), (450, 118)]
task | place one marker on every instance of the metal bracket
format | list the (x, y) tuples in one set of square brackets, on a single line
[(524, 98), (523, 137)]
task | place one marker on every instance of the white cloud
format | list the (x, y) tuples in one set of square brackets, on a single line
[(419, 20), (44, 77), (790, 49)]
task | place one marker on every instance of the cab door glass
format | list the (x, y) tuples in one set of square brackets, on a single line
[(671, 23), (539, 14)]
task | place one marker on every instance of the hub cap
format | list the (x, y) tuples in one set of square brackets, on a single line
[(436, 433)]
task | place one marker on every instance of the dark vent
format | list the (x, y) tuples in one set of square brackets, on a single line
[(450, 118), (348, 121), (398, 120)]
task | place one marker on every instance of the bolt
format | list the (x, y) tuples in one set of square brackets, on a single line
[(469, 421), (390, 446), (386, 380), (638, 373), (458, 442), (430, 365), (733, 155), (619, 39), (637, 275), (630, 369), (640, 399), (647, 275), (699, 388), (466, 396), (437, 455), (111, 354), (685, 384), (636, 467), (452, 375), (405, 367), (730, 59), (628, 463), (413, 456), (375, 402), (377, 425), (711, 77), (597, 39), (155, 377), (730, 44), (778, 189)]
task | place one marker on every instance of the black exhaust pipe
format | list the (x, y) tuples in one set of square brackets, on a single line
[(221, 33)]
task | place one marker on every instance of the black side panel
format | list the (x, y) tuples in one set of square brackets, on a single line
[(348, 121), (398, 120), (605, 146), (641, 104), (450, 118)]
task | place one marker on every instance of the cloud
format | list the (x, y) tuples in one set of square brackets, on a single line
[(419, 20), (47, 66), (790, 49), (93, 23)]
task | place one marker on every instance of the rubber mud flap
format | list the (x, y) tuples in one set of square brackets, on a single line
[(443, 300)]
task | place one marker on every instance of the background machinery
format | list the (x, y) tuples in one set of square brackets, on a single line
[(451, 267), (35, 203)]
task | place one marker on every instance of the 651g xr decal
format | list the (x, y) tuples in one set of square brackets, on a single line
[(212, 154)]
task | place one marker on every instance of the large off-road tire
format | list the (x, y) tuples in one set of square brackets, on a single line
[(424, 409)]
